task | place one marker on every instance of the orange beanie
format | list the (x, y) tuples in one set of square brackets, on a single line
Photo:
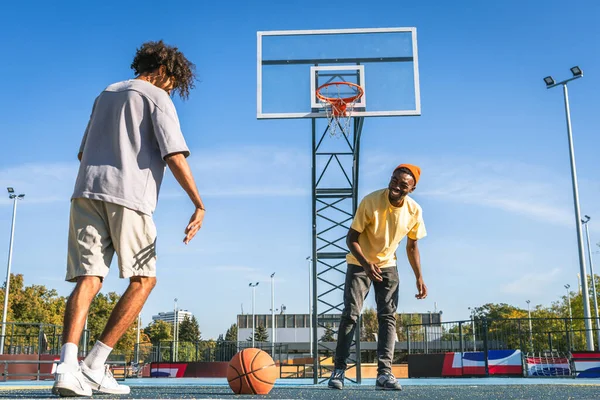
[(416, 171)]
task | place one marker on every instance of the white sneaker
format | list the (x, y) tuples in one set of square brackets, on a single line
[(102, 380), (70, 382)]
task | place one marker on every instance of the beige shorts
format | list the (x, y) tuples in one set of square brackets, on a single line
[(98, 229)]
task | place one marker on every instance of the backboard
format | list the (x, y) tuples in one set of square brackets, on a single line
[(291, 65)]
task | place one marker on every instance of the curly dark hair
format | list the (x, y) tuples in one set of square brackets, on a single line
[(151, 55)]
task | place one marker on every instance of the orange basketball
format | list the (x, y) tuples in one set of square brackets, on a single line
[(251, 371)]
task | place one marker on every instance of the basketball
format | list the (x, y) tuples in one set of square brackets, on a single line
[(251, 371)]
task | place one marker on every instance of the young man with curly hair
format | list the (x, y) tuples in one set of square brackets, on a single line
[(132, 135), (382, 220)]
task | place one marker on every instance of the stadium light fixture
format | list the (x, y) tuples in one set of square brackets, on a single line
[(549, 81)]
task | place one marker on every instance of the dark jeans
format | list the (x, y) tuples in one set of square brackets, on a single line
[(386, 295)]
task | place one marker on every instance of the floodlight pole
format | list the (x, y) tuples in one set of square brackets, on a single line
[(530, 328), (589, 335), (472, 310), (273, 315), (253, 286), (570, 333), (587, 234), (15, 198), (175, 332), (85, 337), (137, 340)]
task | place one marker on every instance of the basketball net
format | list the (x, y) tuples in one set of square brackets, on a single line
[(338, 100)]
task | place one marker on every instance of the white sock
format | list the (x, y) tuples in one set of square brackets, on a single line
[(97, 357), (68, 354)]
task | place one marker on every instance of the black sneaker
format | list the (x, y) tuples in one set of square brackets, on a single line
[(387, 382), (337, 379)]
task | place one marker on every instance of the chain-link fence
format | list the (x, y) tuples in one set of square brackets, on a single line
[(541, 335), (203, 351), (479, 334), (30, 338)]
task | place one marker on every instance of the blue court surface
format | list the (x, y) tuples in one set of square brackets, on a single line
[(442, 389)]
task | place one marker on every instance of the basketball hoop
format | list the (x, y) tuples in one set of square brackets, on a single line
[(338, 100)]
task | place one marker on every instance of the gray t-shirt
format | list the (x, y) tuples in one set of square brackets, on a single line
[(133, 127)]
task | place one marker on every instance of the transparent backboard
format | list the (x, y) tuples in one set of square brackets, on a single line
[(291, 65)]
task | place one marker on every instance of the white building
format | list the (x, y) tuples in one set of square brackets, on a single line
[(295, 328), (169, 316), (289, 328)]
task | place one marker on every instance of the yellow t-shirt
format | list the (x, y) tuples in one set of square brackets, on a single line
[(382, 227)]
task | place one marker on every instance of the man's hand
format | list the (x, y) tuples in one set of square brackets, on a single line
[(421, 288), (194, 225), (373, 272), (182, 172)]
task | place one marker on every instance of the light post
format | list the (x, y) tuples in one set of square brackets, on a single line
[(585, 222), (567, 286), (310, 311), (137, 340), (85, 336), (530, 330), (273, 315), (550, 83), (175, 332), (472, 310), (253, 286), (14, 197)]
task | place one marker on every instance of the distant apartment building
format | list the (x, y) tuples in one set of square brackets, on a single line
[(170, 316)]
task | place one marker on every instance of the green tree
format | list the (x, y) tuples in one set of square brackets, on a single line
[(208, 350), (34, 303), (577, 323), (328, 335), (100, 310), (508, 325), (159, 331), (231, 334), (370, 325), (260, 334), (40, 305), (497, 312), (189, 330), (408, 324), (224, 350), (126, 345), (145, 350)]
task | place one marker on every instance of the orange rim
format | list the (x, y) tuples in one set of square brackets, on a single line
[(339, 104)]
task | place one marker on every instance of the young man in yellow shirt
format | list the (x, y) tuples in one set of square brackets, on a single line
[(382, 220)]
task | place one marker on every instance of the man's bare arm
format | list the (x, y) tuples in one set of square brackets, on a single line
[(414, 258), (183, 174)]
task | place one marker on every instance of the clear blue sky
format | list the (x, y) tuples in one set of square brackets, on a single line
[(491, 141)]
